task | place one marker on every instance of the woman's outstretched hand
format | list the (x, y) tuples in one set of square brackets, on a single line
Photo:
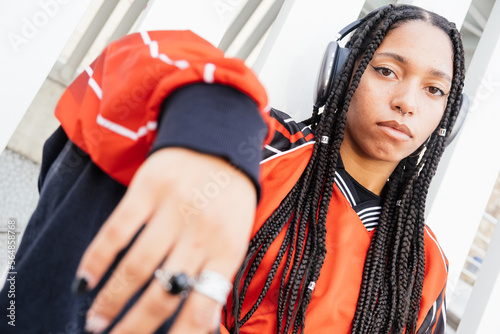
[(198, 213)]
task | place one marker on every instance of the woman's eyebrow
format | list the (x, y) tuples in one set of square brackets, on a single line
[(399, 58), (441, 74), (403, 60)]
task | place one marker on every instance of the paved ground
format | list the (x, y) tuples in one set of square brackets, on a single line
[(18, 196)]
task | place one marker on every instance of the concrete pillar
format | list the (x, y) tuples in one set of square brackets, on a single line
[(35, 32), (481, 313)]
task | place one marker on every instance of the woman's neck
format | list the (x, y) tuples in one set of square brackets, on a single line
[(371, 174)]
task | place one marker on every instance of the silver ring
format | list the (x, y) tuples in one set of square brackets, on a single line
[(175, 284), (213, 285)]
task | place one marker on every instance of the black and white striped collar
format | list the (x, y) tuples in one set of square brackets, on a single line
[(365, 203)]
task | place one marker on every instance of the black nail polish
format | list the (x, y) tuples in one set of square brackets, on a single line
[(79, 286)]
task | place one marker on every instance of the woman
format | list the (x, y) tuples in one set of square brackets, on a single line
[(315, 262)]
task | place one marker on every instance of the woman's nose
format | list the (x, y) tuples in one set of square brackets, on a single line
[(405, 99)]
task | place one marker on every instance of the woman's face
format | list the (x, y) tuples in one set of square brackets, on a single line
[(411, 71)]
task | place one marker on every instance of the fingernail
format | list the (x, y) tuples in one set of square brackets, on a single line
[(81, 284), (96, 324)]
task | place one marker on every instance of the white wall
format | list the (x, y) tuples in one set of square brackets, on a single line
[(455, 11), (209, 19), (290, 59)]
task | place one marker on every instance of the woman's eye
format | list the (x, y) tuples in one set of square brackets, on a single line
[(384, 71), (436, 91)]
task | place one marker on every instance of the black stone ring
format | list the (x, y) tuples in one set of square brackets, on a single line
[(175, 284)]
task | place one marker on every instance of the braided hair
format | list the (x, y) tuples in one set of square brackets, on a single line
[(394, 268)]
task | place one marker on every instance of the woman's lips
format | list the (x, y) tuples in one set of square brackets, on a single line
[(395, 130)]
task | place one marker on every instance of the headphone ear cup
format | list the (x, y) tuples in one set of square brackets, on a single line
[(333, 60), (325, 75)]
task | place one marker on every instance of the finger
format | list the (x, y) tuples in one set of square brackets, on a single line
[(156, 305), (136, 267), (201, 313), (115, 234)]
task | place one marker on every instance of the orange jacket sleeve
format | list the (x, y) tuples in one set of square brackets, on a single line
[(111, 110)]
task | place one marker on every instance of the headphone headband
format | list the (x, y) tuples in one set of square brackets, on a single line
[(348, 29)]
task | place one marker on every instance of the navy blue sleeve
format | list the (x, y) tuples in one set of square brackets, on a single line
[(217, 120)]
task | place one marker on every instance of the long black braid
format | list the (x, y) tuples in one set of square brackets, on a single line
[(394, 268)]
